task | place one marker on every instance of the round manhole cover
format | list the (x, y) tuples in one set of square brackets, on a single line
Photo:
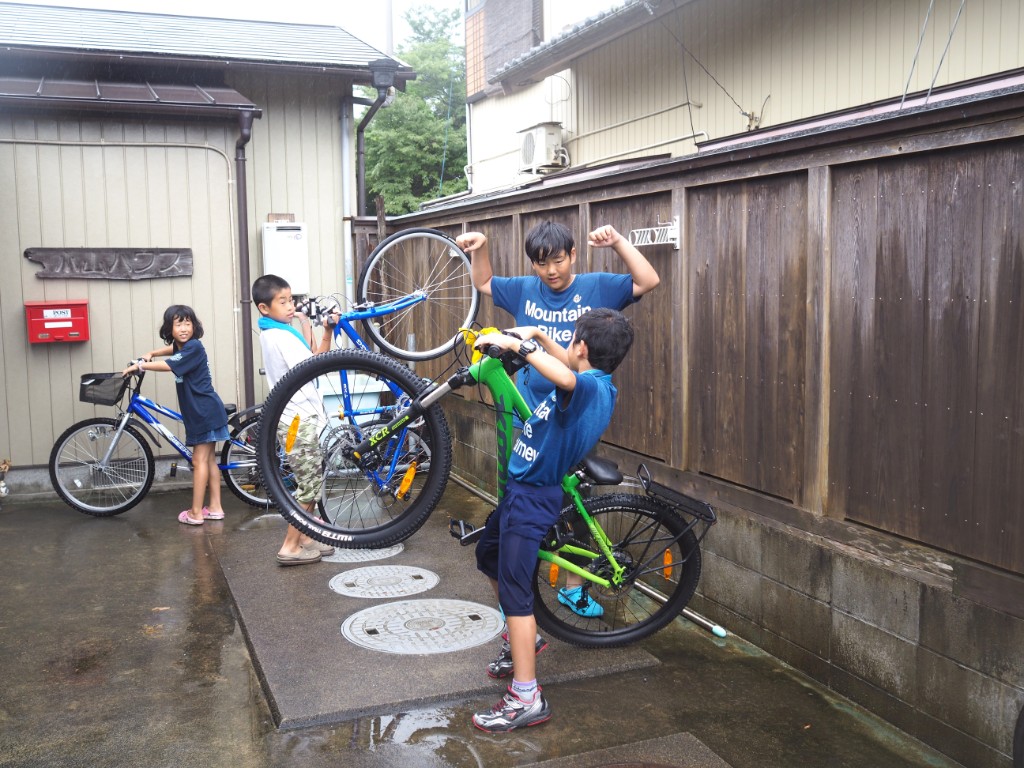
[(362, 555), (423, 626), (383, 581)]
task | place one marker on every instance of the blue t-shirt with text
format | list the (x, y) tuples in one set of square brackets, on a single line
[(531, 302), (559, 434)]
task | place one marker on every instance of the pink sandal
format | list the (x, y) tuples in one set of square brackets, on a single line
[(184, 518), (208, 515)]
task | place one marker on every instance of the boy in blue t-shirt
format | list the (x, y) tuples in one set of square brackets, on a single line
[(562, 430), (554, 296)]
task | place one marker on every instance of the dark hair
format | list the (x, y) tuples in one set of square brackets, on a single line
[(179, 312), (266, 288), (548, 239), (608, 335)]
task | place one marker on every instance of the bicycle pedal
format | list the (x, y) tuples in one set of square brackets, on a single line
[(465, 532), (174, 469)]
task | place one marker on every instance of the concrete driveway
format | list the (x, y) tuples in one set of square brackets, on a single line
[(137, 641)]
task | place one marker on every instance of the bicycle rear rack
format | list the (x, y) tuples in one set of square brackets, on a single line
[(701, 513)]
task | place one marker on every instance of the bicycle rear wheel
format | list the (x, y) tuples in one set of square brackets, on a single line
[(80, 478), (392, 495), (239, 466), (662, 561), (427, 262)]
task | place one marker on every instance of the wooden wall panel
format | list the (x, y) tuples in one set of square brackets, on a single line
[(927, 357), (746, 242), (642, 420)]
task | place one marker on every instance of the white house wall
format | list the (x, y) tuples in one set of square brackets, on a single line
[(775, 60)]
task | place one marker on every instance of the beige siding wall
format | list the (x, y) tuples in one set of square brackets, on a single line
[(99, 184), (699, 68), (296, 167), (107, 183)]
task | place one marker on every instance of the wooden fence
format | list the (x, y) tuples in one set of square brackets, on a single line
[(841, 330)]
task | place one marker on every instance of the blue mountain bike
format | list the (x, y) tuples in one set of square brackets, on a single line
[(414, 293)]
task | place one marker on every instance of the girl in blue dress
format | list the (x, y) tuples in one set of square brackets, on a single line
[(202, 410)]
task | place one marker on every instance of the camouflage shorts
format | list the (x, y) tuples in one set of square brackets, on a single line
[(304, 459)]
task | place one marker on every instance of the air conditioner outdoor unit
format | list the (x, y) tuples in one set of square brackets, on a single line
[(542, 149)]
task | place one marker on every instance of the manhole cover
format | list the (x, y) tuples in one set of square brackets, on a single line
[(362, 555), (377, 581), (423, 626)]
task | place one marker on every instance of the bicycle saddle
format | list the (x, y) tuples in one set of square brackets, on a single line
[(602, 471)]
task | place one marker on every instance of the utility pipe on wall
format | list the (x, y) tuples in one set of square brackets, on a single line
[(245, 296)]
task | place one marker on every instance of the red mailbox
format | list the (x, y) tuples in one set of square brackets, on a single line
[(62, 320)]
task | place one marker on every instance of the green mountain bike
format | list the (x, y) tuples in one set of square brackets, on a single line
[(638, 554)]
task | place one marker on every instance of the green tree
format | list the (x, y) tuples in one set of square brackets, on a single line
[(416, 147)]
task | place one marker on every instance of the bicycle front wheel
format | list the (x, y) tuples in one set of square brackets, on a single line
[(425, 263), (392, 494), (238, 465), (90, 485), (662, 564)]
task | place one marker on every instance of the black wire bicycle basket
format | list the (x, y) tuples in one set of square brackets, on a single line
[(102, 388)]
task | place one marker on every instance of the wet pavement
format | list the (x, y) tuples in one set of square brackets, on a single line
[(136, 641)]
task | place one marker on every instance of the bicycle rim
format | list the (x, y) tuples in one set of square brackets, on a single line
[(662, 563), (385, 501), (428, 262), (239, 467), (83, 482)]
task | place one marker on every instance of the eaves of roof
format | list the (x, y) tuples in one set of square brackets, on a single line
[(139, 98), (152, 38), (555, 55)]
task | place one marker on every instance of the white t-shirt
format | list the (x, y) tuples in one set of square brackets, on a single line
[(282, 351)]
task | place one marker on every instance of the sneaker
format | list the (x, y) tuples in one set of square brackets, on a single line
[(580, 603), (502, 666), (512, 712)]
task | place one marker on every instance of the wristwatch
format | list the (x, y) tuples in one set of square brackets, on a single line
[(527, 347)]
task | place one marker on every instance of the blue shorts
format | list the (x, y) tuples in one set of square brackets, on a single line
[(507, 551), (213, 436)]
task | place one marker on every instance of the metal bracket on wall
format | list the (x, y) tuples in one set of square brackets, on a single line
[(659, 235)]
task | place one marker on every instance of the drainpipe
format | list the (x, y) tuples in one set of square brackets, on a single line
[(245, 134), (360, 153), (383, 72)]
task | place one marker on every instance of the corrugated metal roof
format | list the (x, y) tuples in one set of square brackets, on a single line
[(138, 98), (50, 28)]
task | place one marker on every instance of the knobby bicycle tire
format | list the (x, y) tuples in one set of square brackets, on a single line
[(425, 260), (239, 466), (657, 586), (82, 484), (387, 500)]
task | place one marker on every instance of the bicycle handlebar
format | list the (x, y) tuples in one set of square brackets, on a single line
[(318, 309)]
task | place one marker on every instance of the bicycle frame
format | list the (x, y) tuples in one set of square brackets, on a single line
[(508, 402), (143, 408), (490, 371), (362, 313)]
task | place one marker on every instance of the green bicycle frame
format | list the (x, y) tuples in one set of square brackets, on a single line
[(508, 402)]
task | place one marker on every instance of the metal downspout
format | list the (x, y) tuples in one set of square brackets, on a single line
[(361, 151), (245, 296)]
